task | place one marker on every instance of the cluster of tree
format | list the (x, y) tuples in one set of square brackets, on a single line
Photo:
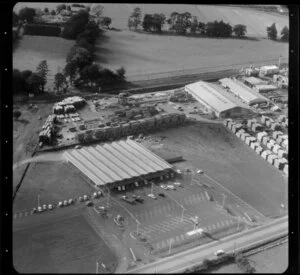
[(244, 264), (62, 7), (27, 14), (272, 33), (15, 19), (30, 82), (183, 23), (78, 5)]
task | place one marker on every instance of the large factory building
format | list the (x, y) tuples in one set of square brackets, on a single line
[(119, 165), (214, 100)]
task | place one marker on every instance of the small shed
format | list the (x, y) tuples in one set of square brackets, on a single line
[(265, 140), (279, 164), (244, 136), (254, 145), (260, 135), (270, 145), (271, 158), (282, 153), (276, 148), (264, 119), (265, 154)]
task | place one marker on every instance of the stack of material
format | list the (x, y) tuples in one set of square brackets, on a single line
[(271, 158), (264, 119), (69, 109), (254, 145), (276, 134), (260, 136), (285, 144), (265, 140), (275, 126), (47, 130), (257, 127), (259, 150), (58, 110), (276, 148), (265, 154), (286, 169), (249, 140), (236, 127), (282, 153)]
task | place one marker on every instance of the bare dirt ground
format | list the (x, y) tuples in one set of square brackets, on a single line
[(68, 245)]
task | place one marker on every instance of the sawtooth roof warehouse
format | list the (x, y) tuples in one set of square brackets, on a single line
[(212, 99), (117, 164)]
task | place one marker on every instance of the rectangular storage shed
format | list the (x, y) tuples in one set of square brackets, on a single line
[(277, 134), (259, 150), (254, 145), (265, 154), (271, 158), (282, 153), (265, 140), (260, 135), (276, 148)]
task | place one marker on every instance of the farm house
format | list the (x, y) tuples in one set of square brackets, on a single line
[(269, 70), (259, 150), (265, 154), (119, 163), (210, 96), (242, 91)]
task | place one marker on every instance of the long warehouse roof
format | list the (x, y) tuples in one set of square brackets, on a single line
[(115, 161), (203, 91), (243, 91)]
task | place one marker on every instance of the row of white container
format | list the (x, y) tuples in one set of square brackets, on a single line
[(279, 161), (274, 125)]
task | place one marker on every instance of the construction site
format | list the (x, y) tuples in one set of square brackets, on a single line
[(152, 175)]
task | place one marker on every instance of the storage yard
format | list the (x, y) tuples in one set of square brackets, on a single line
[(153, 174)]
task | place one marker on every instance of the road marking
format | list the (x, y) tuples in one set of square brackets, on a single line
[(150, 213), (151, 227)]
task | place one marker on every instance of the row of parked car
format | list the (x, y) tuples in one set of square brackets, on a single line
[(84, 198)]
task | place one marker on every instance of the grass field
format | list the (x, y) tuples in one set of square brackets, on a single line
[(228, 160), (67, 246), (33, 49), (53, 181)]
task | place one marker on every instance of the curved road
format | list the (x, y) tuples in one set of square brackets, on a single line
[(179, 262)]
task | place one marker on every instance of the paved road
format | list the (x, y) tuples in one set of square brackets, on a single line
[(181, 261)]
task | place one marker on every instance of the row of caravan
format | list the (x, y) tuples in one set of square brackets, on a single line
[(274, 125), (277, 157), (131, 128)]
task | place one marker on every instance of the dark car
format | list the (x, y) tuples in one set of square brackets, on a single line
[(139, 199), (161, 194)]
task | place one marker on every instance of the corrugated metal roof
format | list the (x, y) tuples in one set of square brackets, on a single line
[(116, 161), (255, 81), (203, 91), (243, 91)]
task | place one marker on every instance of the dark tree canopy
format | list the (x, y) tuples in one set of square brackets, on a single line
[(153, 22), (240, 30), (135, 19), (75, 25), (272, 32), (27, 14), (285, 34)]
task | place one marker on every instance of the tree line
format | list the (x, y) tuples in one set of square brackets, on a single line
[(185, 23)]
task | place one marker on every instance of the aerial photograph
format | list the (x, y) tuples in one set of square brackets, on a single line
[(150, 138)]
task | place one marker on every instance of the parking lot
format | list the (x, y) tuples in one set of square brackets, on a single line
[(169, 218)]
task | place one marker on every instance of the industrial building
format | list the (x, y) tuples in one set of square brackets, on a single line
[(253, 81), (243, 92), (213, 99), (119, 164)]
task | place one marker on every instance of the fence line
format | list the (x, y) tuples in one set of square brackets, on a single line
[(181, 72)]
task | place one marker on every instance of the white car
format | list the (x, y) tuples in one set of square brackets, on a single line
[(170, 186), (163, 186), (152, 196), (60, 204), (50, 206), (177, 183), (178, 171), (78, 147), (40, 209), (65, 203), (219, 252), (200, 171), (44, 207)]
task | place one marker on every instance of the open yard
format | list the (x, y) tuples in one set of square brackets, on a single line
[(230, 163), (63, 246), (33, 49)]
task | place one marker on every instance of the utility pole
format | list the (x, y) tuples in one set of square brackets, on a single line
[(170, 245), (97, 267), (182, 214), (224, 197)]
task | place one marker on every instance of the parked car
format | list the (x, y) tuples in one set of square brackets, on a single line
[(80, 199), (161, 194), (45, 207), (170, 186), (152, 196), (60, 204), (99, 193), (102, 208), (78, 147), (139, 199), (177, 183), (65, 203), (200, 171), (219, 252), (50, 206), (163, 186)]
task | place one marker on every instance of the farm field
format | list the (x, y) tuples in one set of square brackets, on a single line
[(231, 163), (141, 53), (65, 246), (33, 49)]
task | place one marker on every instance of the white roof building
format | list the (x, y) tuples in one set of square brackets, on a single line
[(214, 99), (254, 81), (242, 91)]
